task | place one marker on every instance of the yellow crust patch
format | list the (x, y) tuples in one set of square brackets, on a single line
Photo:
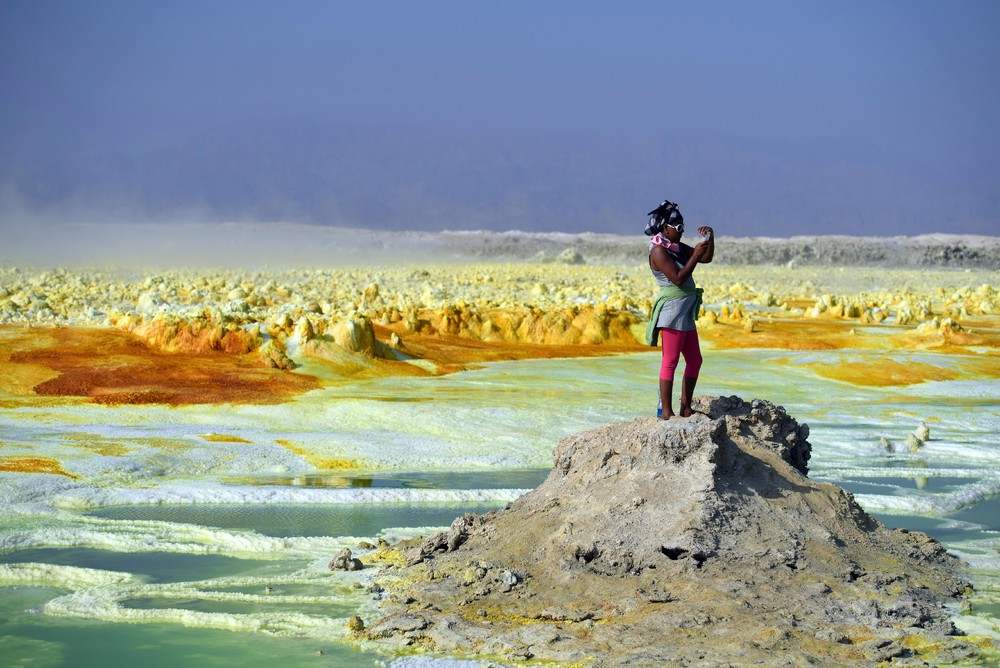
[(20, 379), (333, 464), (33, 465), (874, 370), (982, 366), (105, 449), (788, 335), (927, 649), (320, 463), (387, 556), (879, 373), (224, 438)]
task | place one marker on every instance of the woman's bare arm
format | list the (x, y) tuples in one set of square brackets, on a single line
[(661, 260)]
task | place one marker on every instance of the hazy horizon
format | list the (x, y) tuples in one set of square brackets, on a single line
[(776, 118)]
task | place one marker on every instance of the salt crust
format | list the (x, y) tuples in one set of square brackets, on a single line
[(181, 493), (426, 662), (99, 595), (158, 536), (61, 576)]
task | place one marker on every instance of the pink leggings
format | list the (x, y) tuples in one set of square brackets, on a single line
[(675, 343)]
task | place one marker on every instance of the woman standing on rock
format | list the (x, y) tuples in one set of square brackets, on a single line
[(676, 308)]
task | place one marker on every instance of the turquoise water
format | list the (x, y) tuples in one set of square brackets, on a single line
[(32, 639), (301, 520), (175, 550)]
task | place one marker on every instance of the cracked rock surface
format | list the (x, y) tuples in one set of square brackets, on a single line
[(694, 541)]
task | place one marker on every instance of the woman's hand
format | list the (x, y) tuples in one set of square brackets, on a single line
[(708, 243), (699, 252)]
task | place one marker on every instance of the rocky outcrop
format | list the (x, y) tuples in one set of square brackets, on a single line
[(572, 325), (345, 561), (198, 335), (691, 541)]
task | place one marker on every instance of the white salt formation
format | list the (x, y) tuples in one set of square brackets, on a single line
[(694, 541)]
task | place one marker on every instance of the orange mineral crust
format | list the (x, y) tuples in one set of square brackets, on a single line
[(19, 380), (453, 353), (197, 336), (833, 334), (788, 334), (113, 367), (876, 371), (33, 465)]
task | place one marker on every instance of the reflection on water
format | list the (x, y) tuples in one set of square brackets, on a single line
[(495, 479), (488, 429)]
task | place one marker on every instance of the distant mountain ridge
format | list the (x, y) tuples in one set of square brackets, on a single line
[(286, 245), (404, 178)]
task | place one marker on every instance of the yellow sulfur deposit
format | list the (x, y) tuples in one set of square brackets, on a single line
[(440, 318), (33, 465), (224, 438), (320, 462)]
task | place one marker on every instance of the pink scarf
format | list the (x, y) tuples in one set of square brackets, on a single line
[(660, 240)]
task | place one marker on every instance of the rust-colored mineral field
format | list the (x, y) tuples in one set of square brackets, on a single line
[(33, 465), (109, 366)]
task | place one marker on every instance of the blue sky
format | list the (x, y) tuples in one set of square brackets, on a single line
[(908, 81)]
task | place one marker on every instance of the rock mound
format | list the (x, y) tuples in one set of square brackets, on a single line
[(691, 541)]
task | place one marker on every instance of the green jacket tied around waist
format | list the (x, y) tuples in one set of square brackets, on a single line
[(670, 293)]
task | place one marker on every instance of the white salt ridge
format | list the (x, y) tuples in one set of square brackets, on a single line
[(50, 575), (983, 558), (426, 662), (965, 453), (127, 585), (158, 536), (987, 593), (985, 388), (101, 604), (183, 493), (189, 539), (983, 484), (24, 494), (834, 447), (29, 494), (834, 473), (99, 595), (978, 626), (918, 502)]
